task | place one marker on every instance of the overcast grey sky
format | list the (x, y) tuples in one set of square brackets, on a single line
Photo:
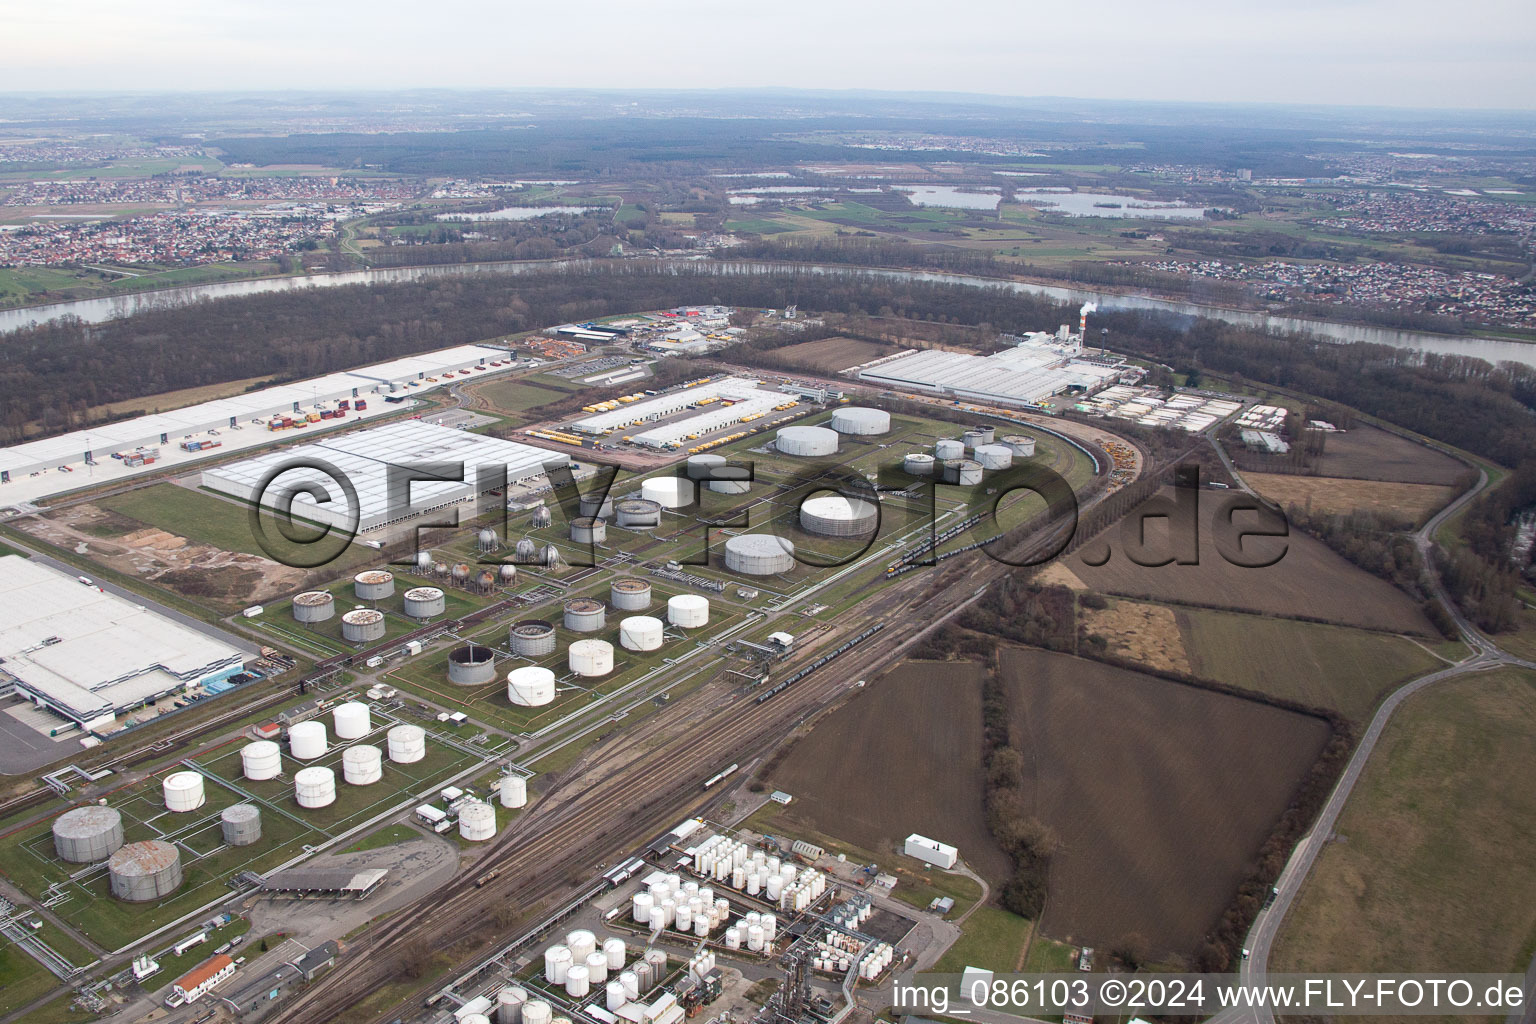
[(1475, 53)]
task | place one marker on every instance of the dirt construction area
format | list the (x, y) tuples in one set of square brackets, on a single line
[(1333, 495), (902, 757), (1307, 582), (1160, 794), (831, 355), (197, 570)]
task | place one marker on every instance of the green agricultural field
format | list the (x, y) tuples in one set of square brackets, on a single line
[(1349, 670), (1432, 870), (520, 395), (994, 940), (758, 226)]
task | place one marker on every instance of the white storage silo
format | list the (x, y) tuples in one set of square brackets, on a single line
[(972, 439), (856, 420), (688, 610), (477, 821), (537, 1011), (613, 995), (597, 968), (240, 824), (590, 657), (806, 441), (373, 585), (514, 791), (637, 514), (641, 907), (1023, 447), (313, 606), (630, 594), (144, 871), (727, 479), (836, 515), (509, 1004), (362, 765), (984, 433), (183, 791), (473, 1018), (640, 633), (261, 759), (589, 530), (531, 686), (582, 943), (759, 554), (314, 787), (669, 491), (614, 952), (577, 981), (994, 456), (362, 626), (631, 985), (585, 615), (471, 665), (88, 834), (306, 740), (532, 638), (597, 506), (352, 720), (557, 961), (965, 472), (425, 602), (948, 448), (918, 464), (407, 744)]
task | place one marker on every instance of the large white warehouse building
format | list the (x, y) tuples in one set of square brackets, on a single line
[(741, 392), (364, 457), (1026, 374), (90, 656)]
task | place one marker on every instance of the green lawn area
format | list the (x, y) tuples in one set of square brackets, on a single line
[(22, 979), (758, 226), (1432, 867), (993, 940), (390, 836), (1347, 669)]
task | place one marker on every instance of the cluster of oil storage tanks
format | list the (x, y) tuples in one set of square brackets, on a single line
[(836, 951), (965, 460), (314, 786), (685, 906), (580, 966), (140, 871), (756, 873)]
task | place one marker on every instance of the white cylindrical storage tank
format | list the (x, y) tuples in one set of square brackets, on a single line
[(577, 981), (614, 952), (88, 834), (241, 824), (994, 456), (183, 791), (531, 686), (261, 759), (595, 506), (637, 514), (669, 491), (643, 975), (640, 633), (509, 1004), (582, 943), (537, 1011), (597, 968), (733, 938), (585, 615), (642, 906), (948, 448), (532, 638), (630, 594), (306, 740), (477, 821), (314, 787), (313, 606), (759, 554), (1020, 445), (352, 720), (683, 918), (589, 530), (407, 744), (755, 938), (701, 925), (590, 657), (972, 438), (657, 959), (918, 464), (425, 602), (966, 472), (770, 925), (631, 985), (373, 585), (806, 441), (362, 626), (855, 420), (835, 515), (984, 433), (362, 765), (613, 995), (700, 467), (688, 610), (514, 791), (144, 871), (471, 665), (557, 961)]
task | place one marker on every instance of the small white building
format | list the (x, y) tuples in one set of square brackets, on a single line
[(931, 851), (193, 985)]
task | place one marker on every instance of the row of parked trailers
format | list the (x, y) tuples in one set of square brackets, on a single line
[(788, 681)]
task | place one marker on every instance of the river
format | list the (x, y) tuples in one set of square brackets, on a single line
[(127, 304)]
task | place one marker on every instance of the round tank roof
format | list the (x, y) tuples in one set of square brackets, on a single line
[(145, 857)]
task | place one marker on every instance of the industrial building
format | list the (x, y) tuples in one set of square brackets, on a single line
[(931, 851), (90, 656), (720, 403), (396, 377), (364, 458), (1035, 369), (197, 982)]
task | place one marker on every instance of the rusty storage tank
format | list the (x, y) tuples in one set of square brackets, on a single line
[(144, 871), (589, 530), (630, 594), (88, 834), (585, 615), (362, 625), (313, 606), (532, 638), (373, 585)]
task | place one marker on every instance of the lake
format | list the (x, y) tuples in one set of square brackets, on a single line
[(517, 213), (1103, 204)]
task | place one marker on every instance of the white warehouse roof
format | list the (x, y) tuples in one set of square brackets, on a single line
[(1022, 375), (89, 654), (735, 388), (365, 456)]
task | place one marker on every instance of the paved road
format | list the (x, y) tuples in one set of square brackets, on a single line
[(1485, 656)]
